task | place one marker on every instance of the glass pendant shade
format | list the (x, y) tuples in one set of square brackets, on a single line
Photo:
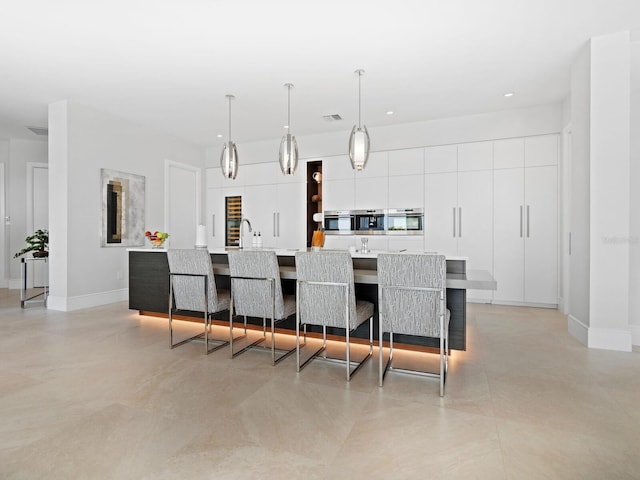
[(359, 139), (229, 156), (288, 154), (288, 145), (229, 160), (359, 147)]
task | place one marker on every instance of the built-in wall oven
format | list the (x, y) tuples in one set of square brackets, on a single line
[(370, 222), (339, 222), (393, 221), (405, 221)]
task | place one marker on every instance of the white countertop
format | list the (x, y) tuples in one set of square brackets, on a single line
[(290, 252)]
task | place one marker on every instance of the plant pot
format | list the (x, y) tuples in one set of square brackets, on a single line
[(40, 254)]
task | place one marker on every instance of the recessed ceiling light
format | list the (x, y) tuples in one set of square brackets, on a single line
[(219, 135), (285, 126), (508, 94), (389, 112)]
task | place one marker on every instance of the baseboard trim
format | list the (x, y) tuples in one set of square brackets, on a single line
[(635, 334), (578, 330), (552, 306), (69, 304), (607, 339)]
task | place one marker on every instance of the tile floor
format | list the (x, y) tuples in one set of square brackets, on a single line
[(97, 394)]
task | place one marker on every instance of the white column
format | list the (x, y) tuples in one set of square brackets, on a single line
[(609, 193)]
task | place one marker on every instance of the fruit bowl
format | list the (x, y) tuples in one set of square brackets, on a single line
[(157, 239)]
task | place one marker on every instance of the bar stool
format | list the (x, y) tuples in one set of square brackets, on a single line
[(192, 286), (326, 296), (412, 301), (256, 291)]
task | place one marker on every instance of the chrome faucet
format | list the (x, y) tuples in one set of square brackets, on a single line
[(241, 232)]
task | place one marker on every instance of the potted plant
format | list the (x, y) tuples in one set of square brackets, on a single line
[(37, 243)]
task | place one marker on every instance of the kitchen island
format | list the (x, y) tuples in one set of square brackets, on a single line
[(149, 288)]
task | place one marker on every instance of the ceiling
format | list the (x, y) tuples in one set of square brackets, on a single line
[(168, 64)]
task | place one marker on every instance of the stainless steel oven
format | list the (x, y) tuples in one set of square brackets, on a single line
[(370, 222), (339, 222), (405, 221)]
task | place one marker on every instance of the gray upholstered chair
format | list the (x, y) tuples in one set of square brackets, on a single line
[(412, 301), (192, 287), (326, 296), (256, 291)]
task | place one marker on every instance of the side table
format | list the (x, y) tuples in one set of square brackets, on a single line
[(23, 290)]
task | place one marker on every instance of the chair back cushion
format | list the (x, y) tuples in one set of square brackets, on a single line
[(411, 312), (188, 292), (325, 304), (253, 298)]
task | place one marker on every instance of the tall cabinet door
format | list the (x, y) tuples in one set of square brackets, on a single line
[(541, 235), (259, 206), (291, 216), (508, 234), (475, 224), (440, 210)]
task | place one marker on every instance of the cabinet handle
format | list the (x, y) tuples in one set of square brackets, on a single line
[(460, 222), (454, 222), (528, 221), (278, 222), (213, 225), (274, 224), (521, 219)]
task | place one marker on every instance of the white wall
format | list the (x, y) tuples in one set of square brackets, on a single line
[(601, 209), (4, 238), (82, 141), (580, 141), (471, 128), (634, 179), (21, 152)]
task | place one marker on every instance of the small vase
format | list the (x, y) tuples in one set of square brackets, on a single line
[(40, 254)]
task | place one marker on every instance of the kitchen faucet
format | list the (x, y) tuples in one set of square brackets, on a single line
[(241, 225)]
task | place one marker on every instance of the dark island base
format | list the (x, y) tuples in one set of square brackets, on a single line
[(149, 292)]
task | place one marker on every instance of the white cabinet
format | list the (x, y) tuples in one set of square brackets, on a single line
[(541, 235), (475, 224), (441, 159), (409, 161), (440, 213), (475, 156), (337, 194), (508, 234), (337, 168), (371, 192), (406, 191), (526, 235), (377, 166), (278, 212), (458, 219), (508, 153), (291, 221), (259, 206), (541, 150)]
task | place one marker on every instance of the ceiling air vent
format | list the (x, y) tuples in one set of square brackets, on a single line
[(42, 131), (332, 118)]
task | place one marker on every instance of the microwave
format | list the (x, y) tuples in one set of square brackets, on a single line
[(405, 221), (339, 222), (370, 222)]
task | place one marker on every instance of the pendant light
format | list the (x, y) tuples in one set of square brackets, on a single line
[(288, 145), (229, 157), (359, 139)]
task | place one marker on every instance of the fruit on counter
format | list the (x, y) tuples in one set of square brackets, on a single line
[(156, 238)]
